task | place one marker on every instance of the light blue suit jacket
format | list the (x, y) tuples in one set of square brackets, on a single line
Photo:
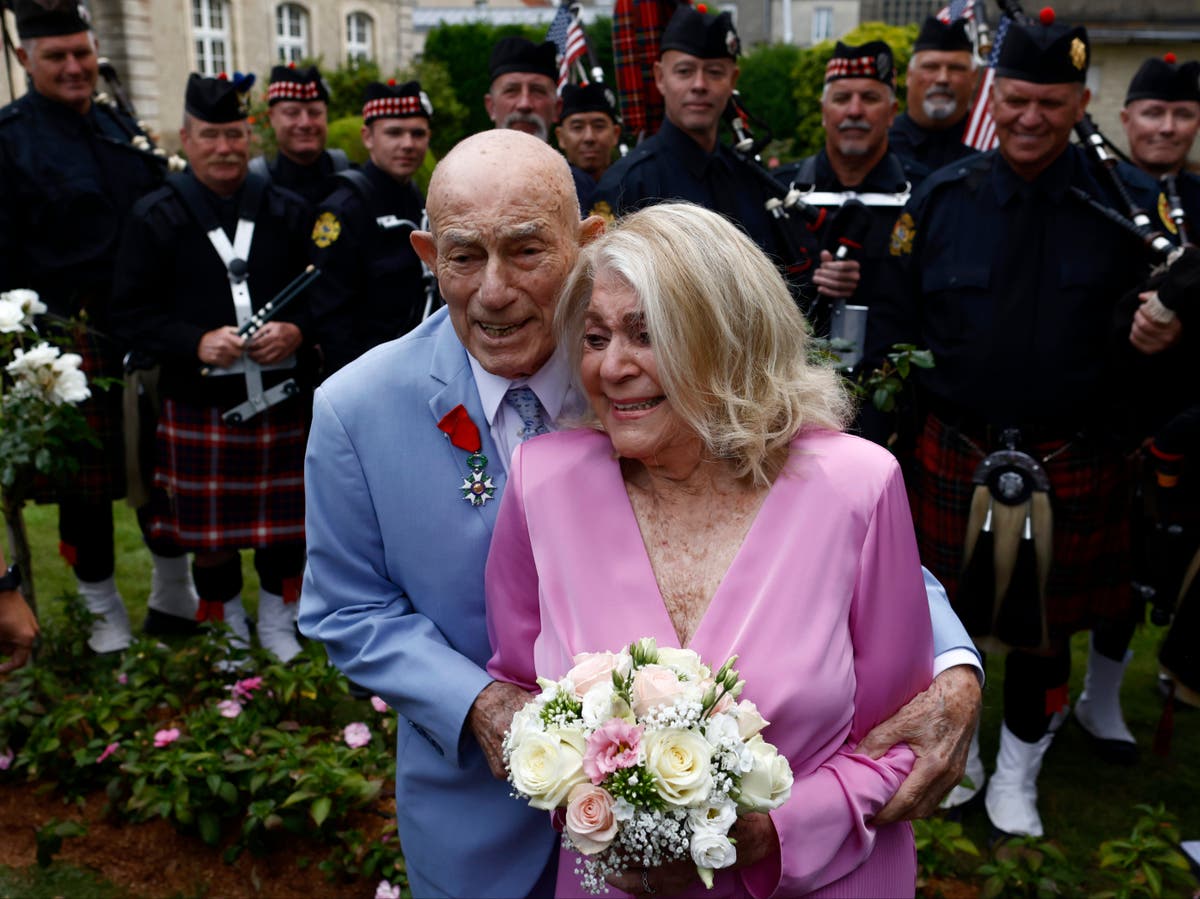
[(394, 589)]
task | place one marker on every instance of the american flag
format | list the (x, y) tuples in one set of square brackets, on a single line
[(981, 127), (958, 9), (568, 36)]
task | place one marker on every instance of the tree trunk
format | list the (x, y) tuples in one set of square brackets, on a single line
[(18, 541)]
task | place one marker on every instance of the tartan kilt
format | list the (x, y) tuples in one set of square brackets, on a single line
[(1089, 577), (222, 487), (101, 475)]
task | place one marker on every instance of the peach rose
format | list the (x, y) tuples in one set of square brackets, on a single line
[(654, 687), (592, 668), (590, 823)]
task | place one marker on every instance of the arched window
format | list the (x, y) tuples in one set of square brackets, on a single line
[(291, 32), (360, 35), (210, 32)]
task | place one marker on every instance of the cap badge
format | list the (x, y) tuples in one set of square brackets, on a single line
[(1078, 53)]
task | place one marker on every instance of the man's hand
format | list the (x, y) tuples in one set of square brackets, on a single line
[(836, 279), (18, 630), (489, 719), (1150, 336), (221, 347), (937, 725), (274, 342), (670, 879)]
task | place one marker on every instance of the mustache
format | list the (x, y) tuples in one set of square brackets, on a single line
[(227, 159), (853, 126), (527, 118), (940, 92)]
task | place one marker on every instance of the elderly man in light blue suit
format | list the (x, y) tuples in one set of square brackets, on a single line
[(401, 508)]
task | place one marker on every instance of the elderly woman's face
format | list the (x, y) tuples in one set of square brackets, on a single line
[(620, 374)]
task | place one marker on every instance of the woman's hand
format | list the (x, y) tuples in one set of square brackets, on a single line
[(670, 879)]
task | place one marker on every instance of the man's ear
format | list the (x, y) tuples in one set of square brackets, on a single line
[(590, 228), (426, 247)]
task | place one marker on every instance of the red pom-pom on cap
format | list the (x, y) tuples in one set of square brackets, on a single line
[(221, 76), (1170, 58), (292, 65), (702, 8), (1046, 16), (391, 82)]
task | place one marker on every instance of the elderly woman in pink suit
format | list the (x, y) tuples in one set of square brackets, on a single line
[(715, 504)]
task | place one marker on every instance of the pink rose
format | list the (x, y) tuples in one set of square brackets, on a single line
[(229, 708), (590, 823), (165, 737), (614, 745), (654, 687), (356, 735), (108, 750), (592, 668), (379, 705)]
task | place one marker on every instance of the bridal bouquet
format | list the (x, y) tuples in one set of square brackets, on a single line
[(652, 757)]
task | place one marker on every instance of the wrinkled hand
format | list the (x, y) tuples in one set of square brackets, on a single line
[(221, 347), (18, 630), (1149, 335), (670, 879), (274, 342), (836, 279), (489, 719), (937, 725)]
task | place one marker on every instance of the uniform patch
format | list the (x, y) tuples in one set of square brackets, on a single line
[(1164, 214), (326, 230), (902, 236), (603, 210)]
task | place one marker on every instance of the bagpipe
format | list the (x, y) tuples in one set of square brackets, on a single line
[(116, 102)]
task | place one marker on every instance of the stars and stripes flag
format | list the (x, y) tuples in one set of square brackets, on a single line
[(981, 127), (567, 34)]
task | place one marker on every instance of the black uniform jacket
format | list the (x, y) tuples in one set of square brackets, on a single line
[(922, 151)]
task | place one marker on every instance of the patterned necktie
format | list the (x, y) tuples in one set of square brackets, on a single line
[(533, 416)]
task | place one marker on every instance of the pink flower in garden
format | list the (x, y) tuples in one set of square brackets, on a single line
[(356, 734), (108, 750), (386, 890), (379, 705), (122, 678), (165, 737), (229, 708), (615, 744), (244, 689), (6, 759)]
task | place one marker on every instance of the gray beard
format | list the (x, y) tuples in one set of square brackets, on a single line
[(939, 111)]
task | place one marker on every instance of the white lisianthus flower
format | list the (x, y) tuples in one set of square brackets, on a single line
[(546, 765), (70, 383), (680, 762), (29, 302), (12, 318), (768, 784), (601, 703), (712, 850), (717, 817), (722, 730), (684, 662)]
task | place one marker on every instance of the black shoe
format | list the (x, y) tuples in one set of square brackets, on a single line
[(1115, 752), (160, 624)]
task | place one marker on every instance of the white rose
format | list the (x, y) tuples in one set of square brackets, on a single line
[(28, 301), (27, 362), (717, 818), (749, 720), (684, 662), (768, 784), (70, 383), (544, 766), (11, 317), (712, 850), (681, 764), (527, 721)]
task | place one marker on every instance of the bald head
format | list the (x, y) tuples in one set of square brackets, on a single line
[(505, 232)]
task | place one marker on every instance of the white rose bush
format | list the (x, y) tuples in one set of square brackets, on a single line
[(650, 755), (39, 424)]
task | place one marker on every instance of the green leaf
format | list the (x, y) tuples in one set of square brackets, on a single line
[(883, 400), (1153, 879), (213, 782), (228, 792), (209, 827), (320, 810)]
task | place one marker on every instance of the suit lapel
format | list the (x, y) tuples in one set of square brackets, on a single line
[(451, 370)]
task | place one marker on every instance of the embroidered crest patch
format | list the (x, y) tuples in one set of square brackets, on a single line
[(902, 236), (326, 230)]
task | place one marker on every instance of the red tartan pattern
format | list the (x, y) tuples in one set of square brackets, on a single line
[(220, 486), (101, 475), (637, 31), (1089, 575)]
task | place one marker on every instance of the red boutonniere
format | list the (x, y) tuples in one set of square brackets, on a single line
[(477, 487)]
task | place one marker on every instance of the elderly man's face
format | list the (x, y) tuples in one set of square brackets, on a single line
[(523, 101), (857, 113), (1034, 121), (940, 83), (218, 154), (1160, 133), (506, 232), (300, 129), (64, 68)]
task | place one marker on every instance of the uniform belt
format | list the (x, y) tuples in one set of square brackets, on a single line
[(988, 436)]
